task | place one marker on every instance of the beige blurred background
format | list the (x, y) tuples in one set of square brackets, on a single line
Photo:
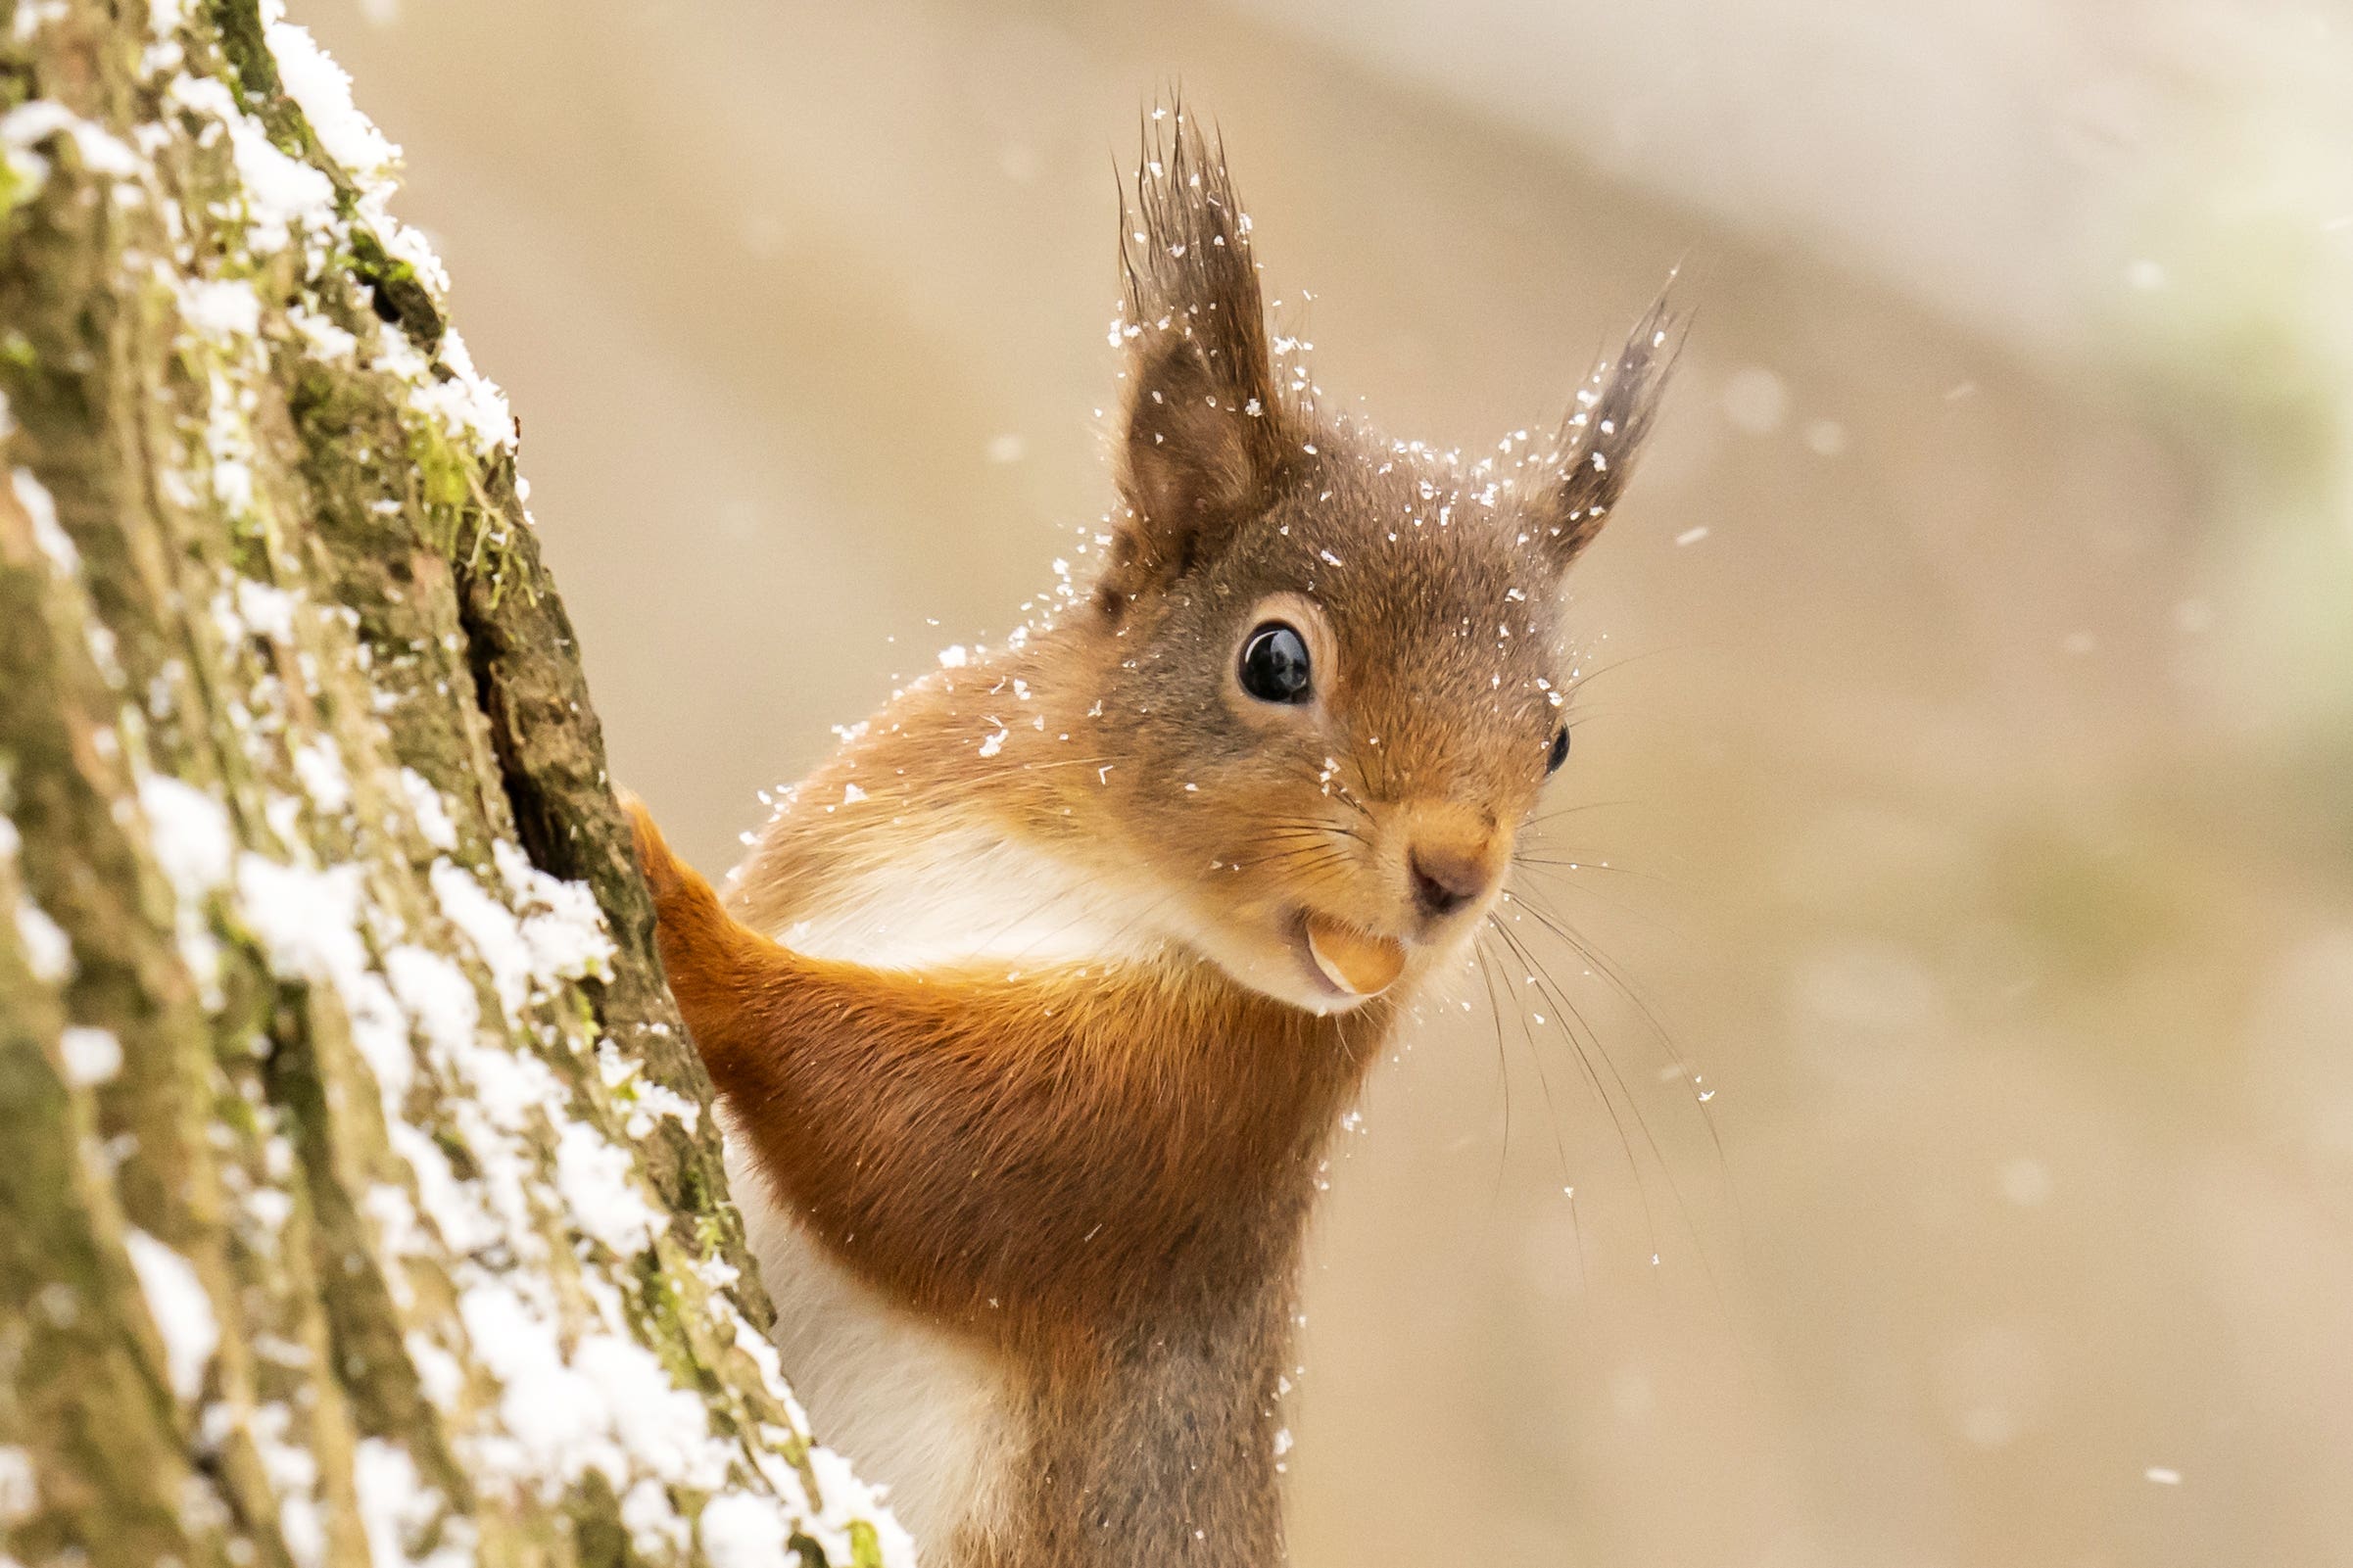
[(1972, 757)]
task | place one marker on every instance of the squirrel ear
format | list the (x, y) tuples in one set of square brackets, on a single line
[(1204, 432), (1603, 436)]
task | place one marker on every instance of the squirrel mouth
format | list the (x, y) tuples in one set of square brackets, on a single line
[(1353, 961)]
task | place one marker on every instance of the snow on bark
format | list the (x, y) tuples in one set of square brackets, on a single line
[(360, 1202)]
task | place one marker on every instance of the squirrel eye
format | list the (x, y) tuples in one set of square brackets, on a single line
[(1274, 667), (1560, 754)]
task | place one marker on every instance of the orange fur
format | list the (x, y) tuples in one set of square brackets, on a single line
[(1036, 1160)]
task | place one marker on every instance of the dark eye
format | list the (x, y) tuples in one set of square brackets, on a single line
[(1559, 753), (1275, 664)]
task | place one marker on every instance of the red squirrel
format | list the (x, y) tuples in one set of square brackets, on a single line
[(1033, 1009)]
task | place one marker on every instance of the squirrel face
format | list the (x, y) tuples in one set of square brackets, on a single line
[(1334, 664), (1339, 722)]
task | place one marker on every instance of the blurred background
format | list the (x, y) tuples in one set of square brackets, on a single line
[(1973, 752)]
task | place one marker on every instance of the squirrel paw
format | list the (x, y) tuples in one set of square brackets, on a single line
[(663, 871), (714, 963)]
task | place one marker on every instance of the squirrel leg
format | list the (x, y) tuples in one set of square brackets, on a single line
[(998, 1152), (931, 1130)]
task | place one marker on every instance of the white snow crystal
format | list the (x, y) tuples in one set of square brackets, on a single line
[(396, 1507), (308, 921), (490, 926), (304, 918), (324, 91), (563, 938), (92, 1056), (266, 609), (42, 507), (468, 404), (48, 950), (319, 766), (293, 1474), (565, 930), (182, 1312), (652, 1523), (432, 817), (188, 832), (437, 1370), (101, 152), (741, 1531), (228, 309), (599, 1183), (436, 993), (328, 341), (19, 1494), (283, 196), (614, 1408)]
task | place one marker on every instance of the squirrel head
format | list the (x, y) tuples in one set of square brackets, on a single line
[(1333, 665)]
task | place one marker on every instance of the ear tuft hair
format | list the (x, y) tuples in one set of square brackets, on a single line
[(1603, 436), (1206, 430)]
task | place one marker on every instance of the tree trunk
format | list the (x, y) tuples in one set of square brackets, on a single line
[(359, 1200)]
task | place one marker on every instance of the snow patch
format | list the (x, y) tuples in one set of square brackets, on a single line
[(613, 1409), (39, 505), (397, 1509), (328, 342), (469, 404), (20, 1495), (319, 766), (307, 924), (305, 918), (432, 817), (599, 1183), (101, 151), (559, 936), (437, 995), (182, 1312), (92, 1056), (743, 1531), (48, 950), (322, 90), (264, 608), (228, 309), (188, 833), (283, 196), (639, 1099)]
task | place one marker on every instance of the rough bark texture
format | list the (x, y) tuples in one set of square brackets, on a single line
[(359, 1201)]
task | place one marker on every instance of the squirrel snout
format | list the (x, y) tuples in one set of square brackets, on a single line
[(1447, 876)]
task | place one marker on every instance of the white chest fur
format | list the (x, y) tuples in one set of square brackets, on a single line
[(917, 1408), (967, 895)]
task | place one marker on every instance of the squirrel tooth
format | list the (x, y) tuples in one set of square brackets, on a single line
[(1358, 963)]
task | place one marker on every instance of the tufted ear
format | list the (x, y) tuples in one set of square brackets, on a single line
[(1204, 433), (1605, 433)]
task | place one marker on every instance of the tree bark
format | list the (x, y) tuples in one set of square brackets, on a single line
[(359, 1200)]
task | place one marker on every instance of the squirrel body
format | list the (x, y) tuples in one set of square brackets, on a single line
[(1033, 1009)]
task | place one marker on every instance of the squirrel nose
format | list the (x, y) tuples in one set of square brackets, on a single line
[(1447, 877)]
